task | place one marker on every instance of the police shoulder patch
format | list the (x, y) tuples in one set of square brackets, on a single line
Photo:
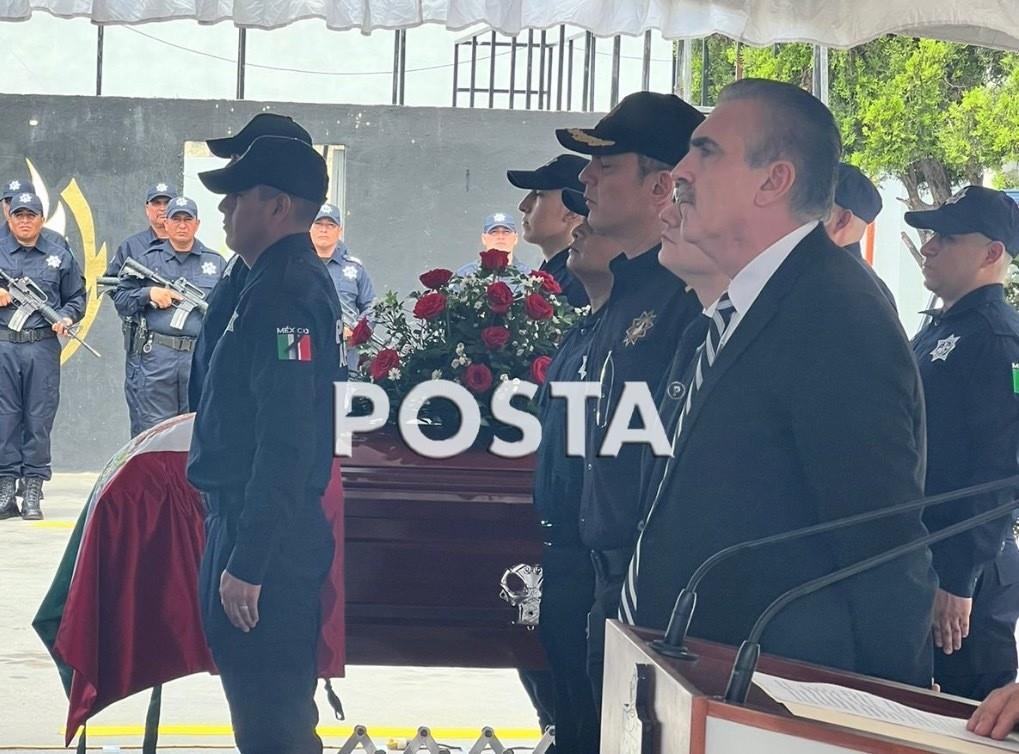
[(293, 343)]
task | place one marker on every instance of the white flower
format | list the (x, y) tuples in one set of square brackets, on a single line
[(477, 304), (437, 374), (516, 380), (394, 374), (455, 363), (520, 352), (503, 377), (460, 348)]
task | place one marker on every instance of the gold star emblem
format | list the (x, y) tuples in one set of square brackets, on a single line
[(639, 328)]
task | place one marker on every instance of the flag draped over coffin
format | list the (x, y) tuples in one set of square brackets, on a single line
[(122, 612)]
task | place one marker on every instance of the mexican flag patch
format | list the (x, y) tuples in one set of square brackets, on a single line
[(1015, 378), (293, 344)]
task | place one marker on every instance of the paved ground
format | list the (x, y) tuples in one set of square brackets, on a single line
[(455, 703)]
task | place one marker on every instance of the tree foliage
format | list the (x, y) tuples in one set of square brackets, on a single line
[(932, 114)]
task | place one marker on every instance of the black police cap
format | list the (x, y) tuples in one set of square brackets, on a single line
[(575, 202), (263, 124), (974, 209), (558, 173), (648, 123), (290, 165), (855, 192)]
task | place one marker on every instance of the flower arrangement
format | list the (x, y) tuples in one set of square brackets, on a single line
[(495, 324)]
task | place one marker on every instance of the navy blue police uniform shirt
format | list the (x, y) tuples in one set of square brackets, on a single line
[(133, 247), (644, 319), (200, 266), (559, 478), (572, 288), (51, 267), (222, 301), (352, 283), (969, 362), (265, 419)]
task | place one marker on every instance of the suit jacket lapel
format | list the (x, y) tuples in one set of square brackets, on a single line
[(764, 308)]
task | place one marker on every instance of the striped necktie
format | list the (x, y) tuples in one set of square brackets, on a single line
[(706, 356)]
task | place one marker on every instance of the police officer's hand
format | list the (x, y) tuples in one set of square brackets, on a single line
[(998, 714), (5, 297), (240, 601), (951, 620), (61, 326), (162, 298)]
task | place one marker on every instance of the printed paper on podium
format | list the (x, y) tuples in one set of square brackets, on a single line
[(858, 709)]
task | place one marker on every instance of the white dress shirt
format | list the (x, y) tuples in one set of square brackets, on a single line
[(750, 281)]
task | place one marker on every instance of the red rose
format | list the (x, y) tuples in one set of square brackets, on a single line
[(494, 259), (537, 307), (477, 378), (500, 297), (435, 278), (539, 368), (495, 337), (360, 335), (548, 283), (430, 306), (385, 360)]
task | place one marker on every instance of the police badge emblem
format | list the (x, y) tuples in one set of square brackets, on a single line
[(639, 328), (944, 347)]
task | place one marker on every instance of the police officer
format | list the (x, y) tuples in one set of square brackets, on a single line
[(157, 197), (568, 574), (19, 186), (348, 273), (30, 359), (857, 205), (159, 362), (968, 356), (262, 449), (499, 232), (627, 184), (547, 222), (223, 299)]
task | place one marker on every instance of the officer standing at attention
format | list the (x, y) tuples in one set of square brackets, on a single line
[(968, 356), (159, 362), (134, 246), (262, 449), (348, 273), (547, 222), (627, 184), (19, 186), (857, 205), (30, 359), (567, 571), (223, 299)]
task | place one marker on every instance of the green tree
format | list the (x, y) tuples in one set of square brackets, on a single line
[(931, 114)]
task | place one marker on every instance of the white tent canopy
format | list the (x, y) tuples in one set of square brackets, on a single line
[(834, 23)]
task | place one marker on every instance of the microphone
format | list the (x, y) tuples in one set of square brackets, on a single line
[(746, 659), (673, 644)]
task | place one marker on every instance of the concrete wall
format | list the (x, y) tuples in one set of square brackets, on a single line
[(419, 181)]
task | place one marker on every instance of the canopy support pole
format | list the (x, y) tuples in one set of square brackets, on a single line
[(100, 45), (242, 54)]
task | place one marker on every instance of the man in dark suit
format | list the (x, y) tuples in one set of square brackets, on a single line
[(804, 405)]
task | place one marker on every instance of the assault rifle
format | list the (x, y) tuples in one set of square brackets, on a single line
[(30, 299), (192, 297)]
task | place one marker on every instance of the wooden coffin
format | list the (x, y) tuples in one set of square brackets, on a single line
[(427, 542)]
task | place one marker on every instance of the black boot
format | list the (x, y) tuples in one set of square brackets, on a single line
[(8, 505), (30, 510)]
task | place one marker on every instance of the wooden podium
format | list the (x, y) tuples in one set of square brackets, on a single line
[(680, 703)]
